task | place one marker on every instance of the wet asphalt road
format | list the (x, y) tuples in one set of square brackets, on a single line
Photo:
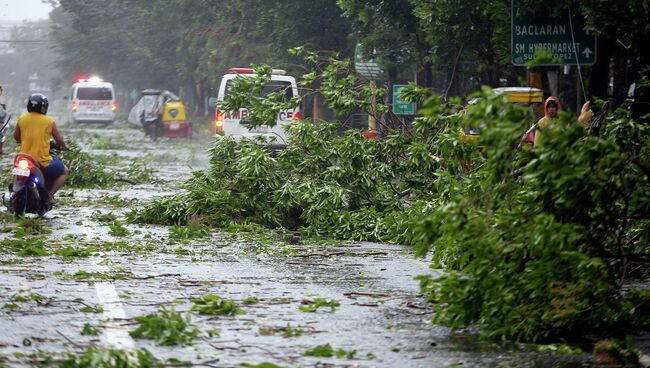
[(381, 314)]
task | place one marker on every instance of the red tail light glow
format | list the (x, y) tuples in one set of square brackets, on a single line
[(252, 71), (75, 106), (23, 164), (218, 121), (114, 107)]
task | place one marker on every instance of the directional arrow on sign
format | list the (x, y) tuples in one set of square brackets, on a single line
[(526, 41)]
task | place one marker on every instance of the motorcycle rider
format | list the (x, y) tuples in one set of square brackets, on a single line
[(33, 132)]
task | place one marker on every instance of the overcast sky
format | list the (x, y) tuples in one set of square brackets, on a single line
[(19, 10)]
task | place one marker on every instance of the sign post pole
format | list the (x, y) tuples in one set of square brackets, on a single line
[(372, 120), (369, 69)]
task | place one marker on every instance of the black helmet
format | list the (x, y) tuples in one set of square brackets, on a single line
[(37, 102)]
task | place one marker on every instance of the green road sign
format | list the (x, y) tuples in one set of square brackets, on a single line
[(401, 107), (553, 39), (367, 68)]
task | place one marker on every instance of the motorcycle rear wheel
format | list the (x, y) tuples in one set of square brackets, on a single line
[(19, 202)]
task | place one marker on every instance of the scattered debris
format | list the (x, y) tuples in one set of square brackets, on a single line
[(309, 305)]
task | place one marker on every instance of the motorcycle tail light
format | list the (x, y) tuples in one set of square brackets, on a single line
[(23, 164)]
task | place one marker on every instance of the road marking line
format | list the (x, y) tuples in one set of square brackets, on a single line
[(115, 335)]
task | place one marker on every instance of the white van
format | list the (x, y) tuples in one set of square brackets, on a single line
[(235, 123), (92, 101)]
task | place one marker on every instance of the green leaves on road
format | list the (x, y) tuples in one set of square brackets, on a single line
[(84, 172), (95, 357), (89, 330), (327, 351), (215, 305), (166, 327), (312, 305)]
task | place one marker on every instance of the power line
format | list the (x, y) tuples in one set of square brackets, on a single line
[(25, 41), (575, 52)]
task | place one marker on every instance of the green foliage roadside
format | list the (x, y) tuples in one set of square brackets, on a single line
[(88, 172), (538, 244), (84, 172), (545, 250), (320, 183), (340, 186)]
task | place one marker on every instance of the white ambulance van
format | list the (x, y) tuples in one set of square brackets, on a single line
[(92, 101), (235, 124)]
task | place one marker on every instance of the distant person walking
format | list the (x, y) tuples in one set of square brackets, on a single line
[(3, 106), (551, 108), (4, 119)]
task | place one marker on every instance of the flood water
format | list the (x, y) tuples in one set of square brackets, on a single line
[(381, 320)]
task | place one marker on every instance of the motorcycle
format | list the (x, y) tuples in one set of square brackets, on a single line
[(161, 114), (28, 192)]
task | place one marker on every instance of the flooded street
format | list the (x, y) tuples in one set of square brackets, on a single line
[(291, 294), (335, 183)]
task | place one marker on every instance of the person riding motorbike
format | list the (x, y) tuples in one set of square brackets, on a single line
[(33, 132)]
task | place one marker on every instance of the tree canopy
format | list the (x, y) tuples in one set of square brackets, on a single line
[(452, 47), (187, 45)]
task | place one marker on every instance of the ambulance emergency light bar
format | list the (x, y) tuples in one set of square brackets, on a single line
[(252, 71), (91, 80)]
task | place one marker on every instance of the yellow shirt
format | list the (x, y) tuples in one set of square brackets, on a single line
[(542, 124), (35, 133)]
